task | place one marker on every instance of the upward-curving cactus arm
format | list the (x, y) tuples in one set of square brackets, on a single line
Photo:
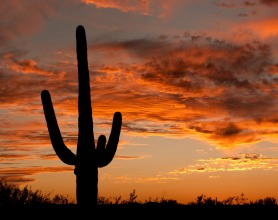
[(54, 132), (105, 155)]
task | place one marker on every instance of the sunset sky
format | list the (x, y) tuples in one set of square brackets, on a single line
[(196, 82)]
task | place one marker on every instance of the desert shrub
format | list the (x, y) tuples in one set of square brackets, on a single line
[(104, 201), (12, 196), (268, 201), (241, 199), (168, 202), (132, 199), (204, 200)]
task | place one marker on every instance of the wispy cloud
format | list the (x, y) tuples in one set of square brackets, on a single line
[(213, 166), (4, 158), (161, 9), (128, 157), (241, 4), (140, 6), (25, 66), (134, 179), (242, 162), (21, 176)]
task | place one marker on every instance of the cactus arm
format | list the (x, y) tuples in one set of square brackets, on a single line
[(86, 145), (54, 132), (100, 150), (107, 154), (101, 143)]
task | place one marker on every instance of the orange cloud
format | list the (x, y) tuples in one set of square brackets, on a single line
[(25, 66), (132, 179), (161, 9), (214, 166), (129, 157), (141, 6), (25, 79), (199, 86), (8, 158), (18, 175), (265, 29), (193, 85)]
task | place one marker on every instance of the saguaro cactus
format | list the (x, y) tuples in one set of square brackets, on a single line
[(88, 157)]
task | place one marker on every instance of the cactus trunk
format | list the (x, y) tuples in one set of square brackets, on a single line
[(86, 171), (87, 186), (88, 157)]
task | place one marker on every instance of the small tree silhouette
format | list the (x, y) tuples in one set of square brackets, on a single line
[(88, 158)]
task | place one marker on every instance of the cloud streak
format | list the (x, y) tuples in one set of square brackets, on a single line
[(140, 6), (20, 176), (269, 2), (160, 9), (242, 162)]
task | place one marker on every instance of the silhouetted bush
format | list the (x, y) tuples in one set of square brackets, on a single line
[(12, 196)]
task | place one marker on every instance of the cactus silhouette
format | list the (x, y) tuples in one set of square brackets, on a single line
[(88, 157)]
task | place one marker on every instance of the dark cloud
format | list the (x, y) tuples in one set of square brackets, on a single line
[(252, 156), (226, 5), (49, 156), (138, 47), (231, 158), (200, 129), (13, 156), (249, 156), (224, 84), (230, 130), (249, 3), (229, 5), (269, 2), (18, 179), (17, 22), (20, 19), (243, 14), (124, 157)]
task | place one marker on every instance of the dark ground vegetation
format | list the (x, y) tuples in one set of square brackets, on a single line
[(25, 202)]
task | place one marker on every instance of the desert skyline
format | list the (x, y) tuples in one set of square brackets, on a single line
[(195, 81)]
